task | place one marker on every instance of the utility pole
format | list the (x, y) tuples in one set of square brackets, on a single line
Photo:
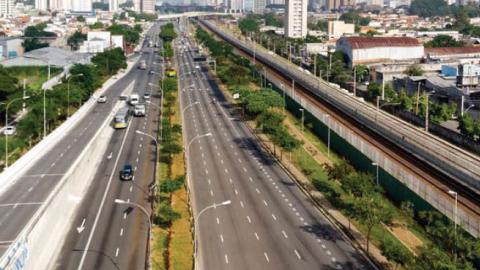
[(355, 81), (418, 99), (383, 88), (461, 105), (315, 64)]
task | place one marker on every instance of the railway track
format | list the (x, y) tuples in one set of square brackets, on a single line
[(447, 173)]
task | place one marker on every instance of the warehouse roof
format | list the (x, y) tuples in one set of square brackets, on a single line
[(375, 42), (452, 50)]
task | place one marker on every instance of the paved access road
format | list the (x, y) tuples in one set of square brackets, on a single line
[(270, 224), (115, 236)]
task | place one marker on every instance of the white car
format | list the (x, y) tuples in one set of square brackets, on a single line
[(102, 99), (10, 131)]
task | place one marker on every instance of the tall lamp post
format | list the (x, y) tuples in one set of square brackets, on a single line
[(427, 113), (68, 92), (282, 86), (6, 126), (149, 216), (161, 108), (214, 205), (377, 171), (455, 194), (328, 134), (303, 117)]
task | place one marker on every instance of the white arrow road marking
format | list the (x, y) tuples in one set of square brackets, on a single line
[(82, 227)]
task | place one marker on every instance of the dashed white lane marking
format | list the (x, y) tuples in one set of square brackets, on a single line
[(333, 259), (218, 220), (138, 152), (244, 169), (209, 182), (230, 180), (298, 254), (211, 192), (116, 252), (274, 217), (226, 259), (221, 238), (284, 234), (250, 178), (266, 257), (236, 192), (249, 220), (256, 236), (206, 171), (265, 202), (124, 215), (121, 231), (329, 253), (258, 191), (53, 164), (30, 189), (241, 204), (226, 170), (323, 246), (131, 188)]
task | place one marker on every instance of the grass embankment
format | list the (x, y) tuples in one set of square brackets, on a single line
[(34, 76)]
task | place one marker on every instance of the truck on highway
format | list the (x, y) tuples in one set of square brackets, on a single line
[(142, 65), (139, 110)]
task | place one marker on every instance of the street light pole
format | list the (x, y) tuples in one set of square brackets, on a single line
[(377, 175), (68, 92), (455, 194), (161, 108), (284, 97), (6, 126), (427, 110), (149, 216), (303, 117), (214, 205), (328, 135)]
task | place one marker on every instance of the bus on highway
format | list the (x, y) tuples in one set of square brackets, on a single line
[(121, 118)]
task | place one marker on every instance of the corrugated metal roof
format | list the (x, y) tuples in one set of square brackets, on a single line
[(374, 42), (452, 50)]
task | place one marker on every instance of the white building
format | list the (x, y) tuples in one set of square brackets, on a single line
[(296, 18), (113, 5), (81, 6), (7, 7), (364, 50), (98, 41), (234, 6), (337, 29), (41, 4), (11, 47)]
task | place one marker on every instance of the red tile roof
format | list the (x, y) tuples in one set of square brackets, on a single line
[(452, 50), (374, 42)]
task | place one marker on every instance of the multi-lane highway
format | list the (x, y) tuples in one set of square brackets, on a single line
[(270, 223), (115, 235), (19, 203)]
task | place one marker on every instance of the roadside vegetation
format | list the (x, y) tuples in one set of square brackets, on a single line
[(80, 88), (354, 193), (173, 240)]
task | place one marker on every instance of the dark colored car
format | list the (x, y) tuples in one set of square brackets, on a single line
[(127, 172)]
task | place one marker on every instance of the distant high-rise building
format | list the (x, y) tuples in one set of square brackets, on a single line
[(235, 5), (259, 6), (296, 18), (147, 6), (41, 4), (249, 5), (7, 7), (80, 6), (333, 4), (112, 5)]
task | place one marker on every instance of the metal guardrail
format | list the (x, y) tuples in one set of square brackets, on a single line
[(449, 159)]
